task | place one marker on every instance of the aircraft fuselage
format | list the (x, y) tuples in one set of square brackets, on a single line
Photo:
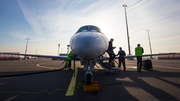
[(88, 44)]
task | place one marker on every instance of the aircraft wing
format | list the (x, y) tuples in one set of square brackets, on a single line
[(144, 55), (44, 56), (64, 57)]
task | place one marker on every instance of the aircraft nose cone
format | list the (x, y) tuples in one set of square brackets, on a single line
[(89, 45)]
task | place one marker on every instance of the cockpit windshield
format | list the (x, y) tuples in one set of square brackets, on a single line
[(93, 28), (82, 29), (89, 28)]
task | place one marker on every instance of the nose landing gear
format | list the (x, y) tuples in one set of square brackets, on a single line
[(90, 85), (88, 77)]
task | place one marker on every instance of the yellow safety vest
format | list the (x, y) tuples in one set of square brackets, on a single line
[(70, 55), (138, 51)]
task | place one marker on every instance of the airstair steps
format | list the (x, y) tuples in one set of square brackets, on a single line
[(108, 68)]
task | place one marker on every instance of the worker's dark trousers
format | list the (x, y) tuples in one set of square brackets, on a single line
[(112, 56), (123, 62), (68, 63), (139, 62)]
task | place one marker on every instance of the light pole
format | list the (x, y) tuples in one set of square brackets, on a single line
[(68, 48), (26, 46), (61, 50), (149, 42), (127, 29), (58, 48)]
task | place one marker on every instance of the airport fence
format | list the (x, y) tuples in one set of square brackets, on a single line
[(170, 56), (9, 57)]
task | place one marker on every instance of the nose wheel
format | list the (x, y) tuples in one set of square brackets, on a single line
[(90, 85), (88, 77)]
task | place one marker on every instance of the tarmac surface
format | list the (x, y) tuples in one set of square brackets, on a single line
[(45, 80)]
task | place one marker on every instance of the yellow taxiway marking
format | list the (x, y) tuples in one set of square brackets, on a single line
[(42, 66), (166, 67), (70, 91), (39, 65)]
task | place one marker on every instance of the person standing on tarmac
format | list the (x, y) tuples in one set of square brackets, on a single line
[(110, 51), (139, 53), (68, 61), (121, 54)]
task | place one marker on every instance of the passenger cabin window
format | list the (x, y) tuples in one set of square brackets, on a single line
[(89, 28)]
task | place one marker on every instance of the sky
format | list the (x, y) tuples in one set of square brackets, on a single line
[(51, 22)]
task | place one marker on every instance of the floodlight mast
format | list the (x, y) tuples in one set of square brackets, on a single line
[(127, 29), (149, 42), (26, 46), (68, 48), (58, 48)]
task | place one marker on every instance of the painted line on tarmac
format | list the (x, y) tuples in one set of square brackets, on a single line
[(166, 67), (39, 65), (70, 91)]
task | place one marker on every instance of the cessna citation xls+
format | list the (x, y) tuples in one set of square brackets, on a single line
[(89, 43)]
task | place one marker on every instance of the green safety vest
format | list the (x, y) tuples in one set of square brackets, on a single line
[(138, 51), (70, 55)]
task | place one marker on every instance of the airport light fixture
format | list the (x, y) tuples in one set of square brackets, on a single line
[(127, 29), (149, 43)]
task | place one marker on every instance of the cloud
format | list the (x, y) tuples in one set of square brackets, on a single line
[(31, 16), (19, 34), (60, 19)]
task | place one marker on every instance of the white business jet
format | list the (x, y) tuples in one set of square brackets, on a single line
[(88, 43)]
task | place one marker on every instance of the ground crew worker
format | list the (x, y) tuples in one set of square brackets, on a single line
[(138, 53), (121, 54), (110, 51), (68, 61)]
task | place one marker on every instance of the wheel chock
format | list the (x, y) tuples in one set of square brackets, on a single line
[(94, 87)]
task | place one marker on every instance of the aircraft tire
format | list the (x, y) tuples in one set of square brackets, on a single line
[(88, 79)]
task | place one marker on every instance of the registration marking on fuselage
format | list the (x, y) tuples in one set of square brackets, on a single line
[(70, 91)]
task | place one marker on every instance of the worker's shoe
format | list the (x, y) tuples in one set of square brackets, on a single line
[(69, 69), (139, 70)]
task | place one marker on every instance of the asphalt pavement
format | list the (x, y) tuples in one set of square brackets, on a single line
[(47, 80)]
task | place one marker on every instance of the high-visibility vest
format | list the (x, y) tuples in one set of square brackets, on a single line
[(138, 51), (70, 55)]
